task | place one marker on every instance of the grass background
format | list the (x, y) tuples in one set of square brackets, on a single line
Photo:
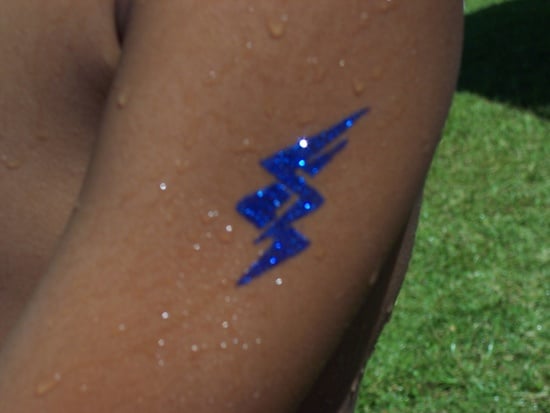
[(470, 329)]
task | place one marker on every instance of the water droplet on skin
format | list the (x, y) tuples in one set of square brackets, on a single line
[(121, 100), (194, 348), (182, 166), (210, 216), (320, 253), (246, 146), (377, 73), (277, 28), (258, 340), (197, 247), (226, 234), (223, 345), (163, 186), (122, 327), (167, 215), (48, 385), (249, 44), (386, 5), (358, 87), (212, 78), (161, 342), (397, 112), (245, 346), (11, 164), (316, 73), (225, 324), (165, 315), (312, 60), (364, 22), (279, 281), (161, 363), (235, 341), (342, 63), (313, 72)]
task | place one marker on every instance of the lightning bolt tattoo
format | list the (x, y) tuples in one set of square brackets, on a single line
[(309, 155)]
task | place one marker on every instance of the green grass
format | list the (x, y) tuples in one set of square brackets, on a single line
[(470, 330)]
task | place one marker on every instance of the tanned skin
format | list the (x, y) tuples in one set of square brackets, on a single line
[(119, 296)]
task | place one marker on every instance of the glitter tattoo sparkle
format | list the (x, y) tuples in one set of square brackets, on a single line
[(310, 155)]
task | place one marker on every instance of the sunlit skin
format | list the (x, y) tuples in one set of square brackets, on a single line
[(123, 156)]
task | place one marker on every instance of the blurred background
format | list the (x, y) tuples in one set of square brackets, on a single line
[(470, 328)]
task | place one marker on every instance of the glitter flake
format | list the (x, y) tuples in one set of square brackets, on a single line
[(261, 207)]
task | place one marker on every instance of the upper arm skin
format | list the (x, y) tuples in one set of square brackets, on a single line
[(202, 93)]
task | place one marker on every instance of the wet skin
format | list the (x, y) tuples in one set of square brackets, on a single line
[(117, 294)]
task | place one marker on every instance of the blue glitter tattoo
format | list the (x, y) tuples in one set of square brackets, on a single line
[(261, 207)]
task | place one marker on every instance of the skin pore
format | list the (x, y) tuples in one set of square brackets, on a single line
[(123, 163)]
